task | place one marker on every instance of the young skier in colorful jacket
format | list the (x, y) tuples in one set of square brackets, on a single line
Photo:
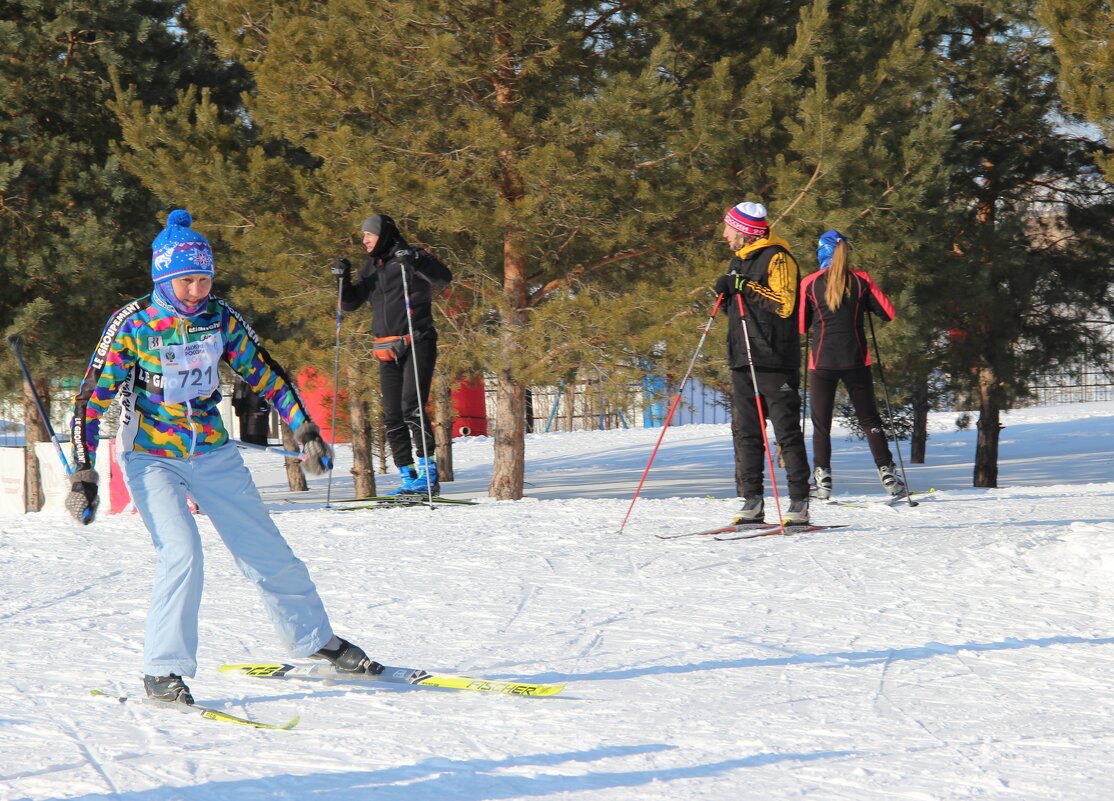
[(159, 355)]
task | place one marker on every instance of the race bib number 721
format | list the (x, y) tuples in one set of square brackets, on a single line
[(189, 371)]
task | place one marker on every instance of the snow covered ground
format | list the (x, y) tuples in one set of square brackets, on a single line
[(962, 649)]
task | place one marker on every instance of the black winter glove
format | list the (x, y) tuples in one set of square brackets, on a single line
[(318, 455), (730, 284), (82, 501), (340, 268)]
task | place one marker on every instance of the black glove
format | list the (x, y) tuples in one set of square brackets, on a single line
[(82, 501), (730, 284), (340, 268), (318, 455)]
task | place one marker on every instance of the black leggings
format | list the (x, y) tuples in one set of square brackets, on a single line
[(400, 401), (860, 388)]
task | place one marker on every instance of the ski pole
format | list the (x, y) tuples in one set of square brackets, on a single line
[(403, 263), (761, 414), (672, 408), (15, 342), (336, 389), (239, 443), (889, 410)]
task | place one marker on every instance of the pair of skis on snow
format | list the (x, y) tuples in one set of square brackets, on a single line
[(750, 531), (390, 675)]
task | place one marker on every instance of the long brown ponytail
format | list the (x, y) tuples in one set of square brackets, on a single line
[(838, 286)]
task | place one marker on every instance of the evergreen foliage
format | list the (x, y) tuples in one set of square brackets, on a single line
[(570, 161), (75, 224), (1029, 234), (1083, 37)]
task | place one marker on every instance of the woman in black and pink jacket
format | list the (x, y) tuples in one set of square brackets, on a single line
[(834, 302)]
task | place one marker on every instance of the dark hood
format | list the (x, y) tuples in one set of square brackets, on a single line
[(390, 239)]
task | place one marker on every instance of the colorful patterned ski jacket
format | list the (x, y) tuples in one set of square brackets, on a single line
[(164, 368), (838, 340)]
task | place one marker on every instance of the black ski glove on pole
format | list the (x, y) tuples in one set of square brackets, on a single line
[(318, 455), (730, 284), (340, 268), (82, 500)]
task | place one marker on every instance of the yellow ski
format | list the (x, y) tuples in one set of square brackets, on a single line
[(393, 675), (206, 712)]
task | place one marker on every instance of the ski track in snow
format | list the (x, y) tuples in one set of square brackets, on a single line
[(960, 649)]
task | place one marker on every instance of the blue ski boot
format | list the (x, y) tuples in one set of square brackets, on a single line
[(426, 468), (408, 476)]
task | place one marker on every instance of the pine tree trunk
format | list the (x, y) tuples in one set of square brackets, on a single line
[(989, 426), (34, 431), (443, 428), (508, 472), (295, 478), (363, 469), (918, 444), (378, 431)]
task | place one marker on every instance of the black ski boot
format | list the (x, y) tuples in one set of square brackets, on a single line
[(167, 688), (753, 511), (348, 658)]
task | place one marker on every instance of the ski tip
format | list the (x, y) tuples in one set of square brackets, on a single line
[(103, 694)]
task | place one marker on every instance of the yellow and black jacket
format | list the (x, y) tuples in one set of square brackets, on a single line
[(770, 304)]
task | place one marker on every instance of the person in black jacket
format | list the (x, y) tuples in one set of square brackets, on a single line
[(399, 282), (834, 302), (765, 275)]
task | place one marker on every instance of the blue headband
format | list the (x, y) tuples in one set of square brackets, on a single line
[(826, 247)]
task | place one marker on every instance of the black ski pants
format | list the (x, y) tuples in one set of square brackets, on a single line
[(779, 391), (401, 393), (860, 389)]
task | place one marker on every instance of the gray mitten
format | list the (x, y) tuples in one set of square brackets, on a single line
[(318, 455), (82, 501)]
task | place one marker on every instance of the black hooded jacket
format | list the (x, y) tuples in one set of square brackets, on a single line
[(380, 281)]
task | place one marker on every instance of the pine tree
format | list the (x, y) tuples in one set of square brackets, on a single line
[(1029, 230), (74, 223)]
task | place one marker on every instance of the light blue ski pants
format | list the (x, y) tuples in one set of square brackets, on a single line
[(223, 488)]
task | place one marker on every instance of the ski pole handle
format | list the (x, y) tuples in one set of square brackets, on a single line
[(277, 451), (239, 443)]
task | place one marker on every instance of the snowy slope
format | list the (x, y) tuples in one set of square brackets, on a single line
[(962, 649)]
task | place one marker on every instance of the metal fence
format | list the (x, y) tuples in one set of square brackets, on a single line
[(584, 407), (1083, 386)]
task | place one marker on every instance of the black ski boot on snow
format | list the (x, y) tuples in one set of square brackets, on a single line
[(753, 511), (167, 688), (348, 658)]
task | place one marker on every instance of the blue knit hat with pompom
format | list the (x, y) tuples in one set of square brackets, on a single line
[(178, 250)]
